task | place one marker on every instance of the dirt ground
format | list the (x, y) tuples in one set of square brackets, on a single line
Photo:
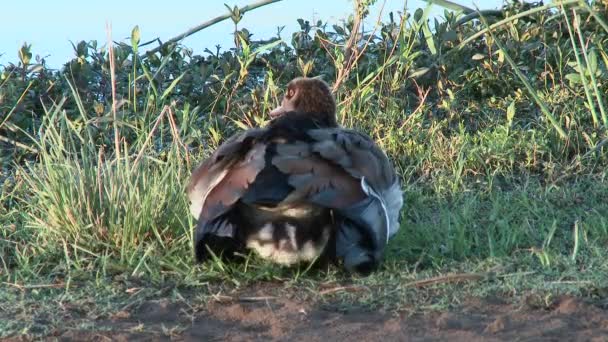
[(277, 319)]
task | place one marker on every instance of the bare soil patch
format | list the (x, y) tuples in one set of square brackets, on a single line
[(280, 319)]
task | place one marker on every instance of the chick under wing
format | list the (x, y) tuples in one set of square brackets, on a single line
[(287, 243)]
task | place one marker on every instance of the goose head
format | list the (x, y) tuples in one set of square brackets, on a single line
[(310, 96)]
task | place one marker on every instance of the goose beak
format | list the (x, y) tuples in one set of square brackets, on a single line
[(275, 113)]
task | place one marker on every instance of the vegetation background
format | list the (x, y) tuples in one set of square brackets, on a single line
[(496, 122)]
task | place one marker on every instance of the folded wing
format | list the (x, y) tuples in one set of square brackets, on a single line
[(346, 171), (218, 183)]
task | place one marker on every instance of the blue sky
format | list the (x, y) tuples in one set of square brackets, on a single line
[(50, 25)]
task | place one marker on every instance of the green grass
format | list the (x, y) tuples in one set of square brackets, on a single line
[(506, 193)]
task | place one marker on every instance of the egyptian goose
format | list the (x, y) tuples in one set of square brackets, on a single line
[(300, 188)]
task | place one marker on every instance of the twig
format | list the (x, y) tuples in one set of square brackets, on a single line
[(148, 138), (475, 15), (99, 166), (37, 286), (128, 306), (207, 24), (451, 5), (450, 278), (176, 137), (373, 79), (422, 95), (256, 299), (16, 104), (351, 55), (343, 288), (113, 84), (595, 148), (511, 18), (571, 282), (516, 274), (18, 144), (151, 41), (223, 298)]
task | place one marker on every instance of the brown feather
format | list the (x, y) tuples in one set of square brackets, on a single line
[(235, 183), (310, 175), (357, 153), (213, 170)]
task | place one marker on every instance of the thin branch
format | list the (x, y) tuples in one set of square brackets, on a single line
[(350, 53), (148, 138), (113, 84), (450, 278), (18, 144), (422, 95), (343, 288), (512, 18), (451, 5), (223, 298), (35, 286), (475, 15), (207, 24)]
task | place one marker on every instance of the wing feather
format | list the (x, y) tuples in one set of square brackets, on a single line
[(214, 169), (346, 171)]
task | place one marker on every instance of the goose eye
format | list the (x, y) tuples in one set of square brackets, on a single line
[(290, 93)]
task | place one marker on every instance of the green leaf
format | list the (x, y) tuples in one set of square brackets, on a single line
[(268, 46), (241, 125), (510, 113), (450, 36), (82, 49), (574, 78), (418, 15), (429, 38), (339, 30), (246, 50), (235, 14), (25, 54), (135, 38), (592, 62), (604, 57), (237, 11), (419, 72), (451, 5), (501, 57), (171, 86), (36, 68), (150, 80)]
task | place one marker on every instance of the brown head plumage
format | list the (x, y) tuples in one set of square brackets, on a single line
[(308, 95)]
